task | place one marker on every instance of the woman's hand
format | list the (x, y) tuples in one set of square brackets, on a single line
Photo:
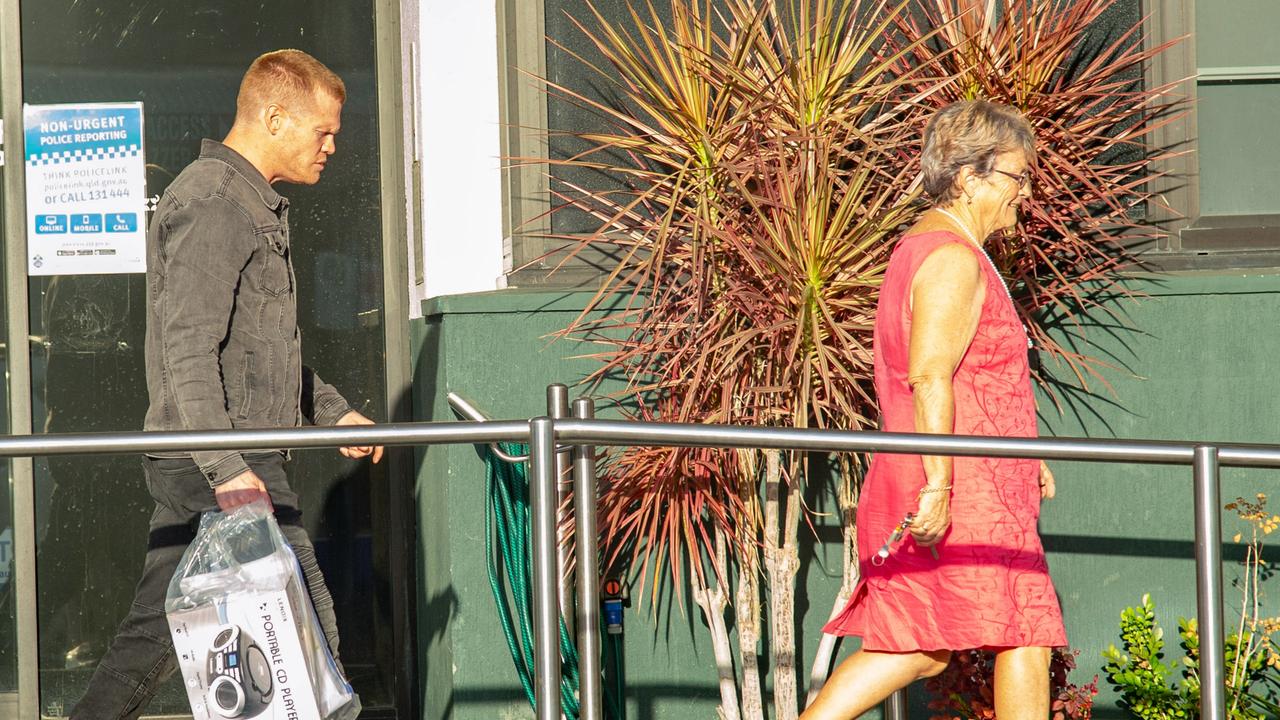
[(1047, 488), (932, 518)]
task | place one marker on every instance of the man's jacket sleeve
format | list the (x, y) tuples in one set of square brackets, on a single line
[(322, 404)]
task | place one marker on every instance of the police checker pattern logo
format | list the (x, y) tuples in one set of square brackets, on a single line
[(58, 157)]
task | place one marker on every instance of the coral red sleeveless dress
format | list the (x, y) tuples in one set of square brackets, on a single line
[(989, 587)]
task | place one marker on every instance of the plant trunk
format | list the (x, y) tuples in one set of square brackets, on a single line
[(713, 601), (746, 604), (847, 500), (782, 561), (747, 612)]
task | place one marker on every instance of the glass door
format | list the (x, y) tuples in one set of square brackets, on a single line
[(183, 61)]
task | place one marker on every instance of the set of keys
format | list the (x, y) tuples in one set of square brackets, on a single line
[(894, 537)]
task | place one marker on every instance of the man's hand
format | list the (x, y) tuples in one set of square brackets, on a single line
[(1047, 488), (241, 490), (355, 418), (932, 518)]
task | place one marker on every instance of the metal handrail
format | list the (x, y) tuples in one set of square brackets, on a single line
[(1205, 459), (464, 408), (582, 432), (624, 433), (434, 433)]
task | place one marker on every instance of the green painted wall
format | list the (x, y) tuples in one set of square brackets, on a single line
[(1200, 367)]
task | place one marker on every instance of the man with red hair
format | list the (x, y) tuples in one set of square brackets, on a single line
[(223, 351)]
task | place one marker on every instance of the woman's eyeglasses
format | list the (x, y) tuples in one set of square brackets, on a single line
[(1022, 178)]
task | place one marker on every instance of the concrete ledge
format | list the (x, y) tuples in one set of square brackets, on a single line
[(527, 301)]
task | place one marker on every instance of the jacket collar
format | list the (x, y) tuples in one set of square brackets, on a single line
[(215, 150)]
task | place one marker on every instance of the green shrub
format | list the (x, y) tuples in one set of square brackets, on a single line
[(1145, 681)]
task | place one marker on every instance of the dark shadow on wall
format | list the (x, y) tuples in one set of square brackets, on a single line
[(434, 604), (821, 548), (1097, 328), (1135, 547)]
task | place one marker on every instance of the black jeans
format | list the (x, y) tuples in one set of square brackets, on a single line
[(141, 655)]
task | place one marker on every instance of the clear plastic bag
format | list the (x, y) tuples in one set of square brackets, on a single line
[(247, 638)]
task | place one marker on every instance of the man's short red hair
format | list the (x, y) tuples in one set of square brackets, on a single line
[(290, 78)]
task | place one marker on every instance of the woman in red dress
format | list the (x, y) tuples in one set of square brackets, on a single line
[(951, 357)]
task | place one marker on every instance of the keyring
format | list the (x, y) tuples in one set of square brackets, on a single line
[(898, 530), (883, 553)]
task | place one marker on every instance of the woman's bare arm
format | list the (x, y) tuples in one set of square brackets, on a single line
[(946, 303)]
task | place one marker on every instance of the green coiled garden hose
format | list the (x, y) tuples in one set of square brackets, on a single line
[(506, 522)]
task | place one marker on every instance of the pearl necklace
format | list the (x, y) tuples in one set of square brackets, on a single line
[(1003, 285)]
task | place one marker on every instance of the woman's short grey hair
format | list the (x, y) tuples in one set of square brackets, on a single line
[(973, 133)]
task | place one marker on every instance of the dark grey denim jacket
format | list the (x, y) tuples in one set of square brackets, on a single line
[(223, 346)]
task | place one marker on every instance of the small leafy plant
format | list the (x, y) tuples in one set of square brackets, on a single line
[(966, 689), (1145, 681), (1140, 674)]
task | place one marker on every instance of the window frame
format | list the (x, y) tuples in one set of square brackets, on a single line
[(1193, 240), (522, 107), (531, 258)]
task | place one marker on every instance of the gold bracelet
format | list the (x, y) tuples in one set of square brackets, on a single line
[(926, 490)]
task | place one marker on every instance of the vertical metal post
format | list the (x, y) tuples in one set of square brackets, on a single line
[(591, 704), (895, 706), (1208, 508), (13, 227), (557, 408), (546, 609)]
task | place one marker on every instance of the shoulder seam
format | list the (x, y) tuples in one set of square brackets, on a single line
[(229, 175)]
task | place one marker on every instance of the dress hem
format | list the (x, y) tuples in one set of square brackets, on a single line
[(960, 647), (839, 626)]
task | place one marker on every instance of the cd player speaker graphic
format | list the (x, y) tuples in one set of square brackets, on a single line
[(239, 675)]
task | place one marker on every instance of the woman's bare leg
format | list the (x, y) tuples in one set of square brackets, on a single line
[(866, 678), (1022, 683)]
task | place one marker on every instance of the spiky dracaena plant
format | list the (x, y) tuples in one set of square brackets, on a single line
[(763, 179), (1093, 121), (766, 152)]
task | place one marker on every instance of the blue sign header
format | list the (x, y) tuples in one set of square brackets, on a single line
[(61, 133)]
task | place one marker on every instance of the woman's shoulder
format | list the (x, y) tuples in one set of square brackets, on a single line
[(934, 252), (925, 238), (930, 229)]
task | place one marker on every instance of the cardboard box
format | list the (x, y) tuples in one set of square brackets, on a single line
[(246, 655), (247, 639)]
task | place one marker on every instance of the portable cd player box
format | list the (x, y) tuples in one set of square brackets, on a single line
[(243, 656)]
